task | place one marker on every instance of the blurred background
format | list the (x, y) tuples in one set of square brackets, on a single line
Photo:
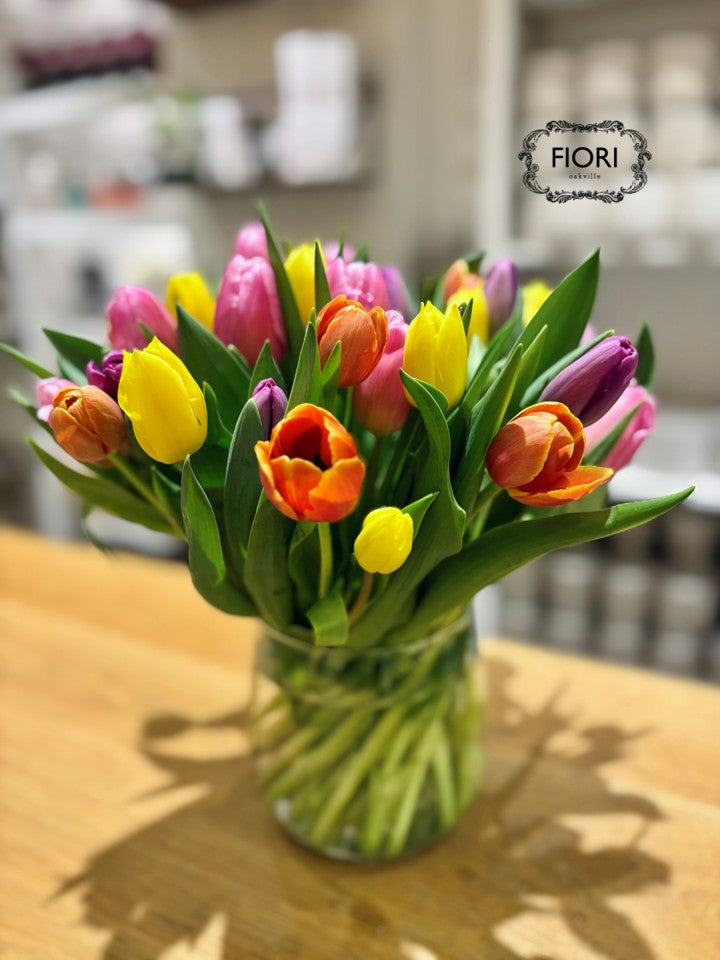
[(136, 136)]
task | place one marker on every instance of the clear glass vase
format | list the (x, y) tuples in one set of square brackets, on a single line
[(368, 753)]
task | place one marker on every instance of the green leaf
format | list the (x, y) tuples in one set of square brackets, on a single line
[(331, 377), (74, 353), (441, 533), (266, 566), (167, 492), (417, 510), (503, 549), (266, 369), (217, 432), (532, 394), (605, 446), (466, 313), (288, 306), (242, 484), (329, 620), (210, 361), (474, 259), (26, 361), (100, 491), (565, 312), (528, 367), (485, 421), (646, 359), (322, 290), (496, 349), (307, 385), (304, 563), (205, 555), (209, 464)]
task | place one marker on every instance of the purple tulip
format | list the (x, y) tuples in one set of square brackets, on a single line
[(47, 390), (594, 382), (251, 240), (107, 375), (131, 306), (271, 403), (248, 310), (397, 291), (362, 282), (501, 287), (634, 434)]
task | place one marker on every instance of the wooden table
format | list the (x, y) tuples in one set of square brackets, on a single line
[(130, 828)]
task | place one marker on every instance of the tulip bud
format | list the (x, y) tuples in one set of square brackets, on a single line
[(379, 402), (436, 351), (479, 325), (271, 403), (362, 282), (251, 241), (131, 306), (165, 406), (459, 275), (534, 296), (363, 334), (190, 291), (385, 541), (592, 384), (635, 433), (300, 270), (398, 297), (248, 310), (501, 287), (106, 377), (87, 424), (536, 457), (47, 390)]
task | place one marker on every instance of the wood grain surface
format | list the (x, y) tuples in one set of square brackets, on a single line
[(130, 827)]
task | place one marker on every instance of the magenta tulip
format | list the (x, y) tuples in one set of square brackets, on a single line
[(248, 310), (379, 402), (635, 433), (131, 306), (362, 282), (46, 391), (251, 240), (106, 376)]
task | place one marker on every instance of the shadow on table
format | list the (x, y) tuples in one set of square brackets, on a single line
[(216, 878)]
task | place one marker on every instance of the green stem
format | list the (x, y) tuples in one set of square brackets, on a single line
[(349, 393), (477, 516), (123, 467), (399, 455), (326, 558)]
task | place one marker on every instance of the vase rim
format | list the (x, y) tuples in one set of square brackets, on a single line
[(437, 636)]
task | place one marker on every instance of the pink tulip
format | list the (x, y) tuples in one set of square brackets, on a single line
[(46, 391), (634, 434), (248, 309), (380, 403), (251, 240), (362, 282), (131, 306)]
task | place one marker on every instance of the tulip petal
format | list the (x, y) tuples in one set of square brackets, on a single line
[(338, 491), (518, 453), (570, 487), (267, 478)]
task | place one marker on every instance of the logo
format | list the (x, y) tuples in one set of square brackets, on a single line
[(584, 161)]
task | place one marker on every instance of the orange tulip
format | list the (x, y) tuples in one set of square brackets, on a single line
[(536, 457), (363, 335), (309, 468), (87, 423), (458, 276)]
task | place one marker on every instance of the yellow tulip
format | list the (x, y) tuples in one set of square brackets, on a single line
[(165, 405), (480, 316), (385, 541), (436, 351), (191, 292), (534, 295), (300, 269)]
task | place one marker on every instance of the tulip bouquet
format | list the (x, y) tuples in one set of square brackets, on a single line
[(352, 470)]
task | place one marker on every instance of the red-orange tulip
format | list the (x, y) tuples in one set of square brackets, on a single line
[(536, 457), (363, 335), (87, 423), (309, 468)]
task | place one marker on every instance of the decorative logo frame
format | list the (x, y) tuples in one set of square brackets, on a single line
[(530, 143)]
